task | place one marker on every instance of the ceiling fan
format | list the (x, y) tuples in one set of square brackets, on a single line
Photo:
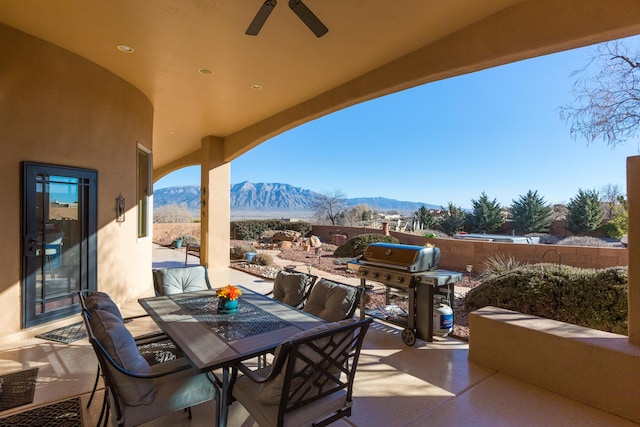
[(299, 8)]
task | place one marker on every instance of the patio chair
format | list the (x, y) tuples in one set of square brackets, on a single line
[(169, 281), (135, 391), (310, 381), (333, 301), (148, 341), (53, 252), (292, 287)]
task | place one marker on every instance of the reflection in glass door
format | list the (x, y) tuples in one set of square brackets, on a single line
[(59, 240)]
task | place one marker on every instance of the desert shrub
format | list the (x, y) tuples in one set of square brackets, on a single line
[(358, 244), (497, 265), (253, 229), (241, 251), (582, 241), (174, 213), (190, 239), (587, 297), (262, 259)]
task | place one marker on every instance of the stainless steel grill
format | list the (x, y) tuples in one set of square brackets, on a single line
[(413, 270)]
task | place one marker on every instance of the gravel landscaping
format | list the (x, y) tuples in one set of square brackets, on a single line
[(327, 262)]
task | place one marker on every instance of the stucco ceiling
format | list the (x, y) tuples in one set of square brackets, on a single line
[(373, 47)]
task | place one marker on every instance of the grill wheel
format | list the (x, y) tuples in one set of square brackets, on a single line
[(408, 337)]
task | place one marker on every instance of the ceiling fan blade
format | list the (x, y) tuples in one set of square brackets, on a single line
[(261, 17), (308, 17)]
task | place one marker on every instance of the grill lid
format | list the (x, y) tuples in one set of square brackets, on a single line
[(402, 257)]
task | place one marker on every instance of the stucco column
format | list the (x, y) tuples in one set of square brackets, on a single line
[(215, 204), (633, 203)]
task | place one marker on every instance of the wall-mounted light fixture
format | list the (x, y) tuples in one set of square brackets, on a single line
[(120, 208)]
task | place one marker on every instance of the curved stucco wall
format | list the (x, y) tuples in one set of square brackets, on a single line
[(58, 108)]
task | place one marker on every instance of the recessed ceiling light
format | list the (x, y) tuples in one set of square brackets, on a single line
[(256, 86), (206, 71), (124, 48)]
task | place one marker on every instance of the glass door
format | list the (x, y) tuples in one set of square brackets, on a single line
[(59, 240)]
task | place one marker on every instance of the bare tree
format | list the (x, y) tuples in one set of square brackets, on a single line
[(331, 206), (610, 195), (607, 101), (173, 213)]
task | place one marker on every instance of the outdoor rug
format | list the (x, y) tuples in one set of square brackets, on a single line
[(64, 414), (18, 388), (66, 334)]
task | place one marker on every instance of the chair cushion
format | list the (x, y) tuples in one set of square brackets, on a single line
[(101, 301), (266, 415), (119, 343), (330, 301), (171, 281), (176, 391), (289, 288), (270, 391)]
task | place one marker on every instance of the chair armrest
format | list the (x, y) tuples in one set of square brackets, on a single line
[(151, 337), (254, 375), (160, 372), (171, 367)]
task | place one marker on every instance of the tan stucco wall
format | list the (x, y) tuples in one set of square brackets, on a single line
[(633, 198), (58, 108), (594, 367)]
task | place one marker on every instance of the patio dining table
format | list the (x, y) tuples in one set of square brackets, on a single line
[(211, 340)]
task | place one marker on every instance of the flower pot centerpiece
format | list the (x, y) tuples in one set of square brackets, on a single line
[(228, 299)]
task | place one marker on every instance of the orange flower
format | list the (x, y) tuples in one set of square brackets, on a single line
[(229, 292)]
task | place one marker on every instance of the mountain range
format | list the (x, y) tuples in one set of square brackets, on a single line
[(274, 197)]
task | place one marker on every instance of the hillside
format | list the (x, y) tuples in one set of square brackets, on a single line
[(248, 197)]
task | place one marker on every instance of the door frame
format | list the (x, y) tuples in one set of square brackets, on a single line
[(88, 216)]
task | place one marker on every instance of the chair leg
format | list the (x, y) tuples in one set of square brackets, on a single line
[(53, 276), (104, 411), (95, 386)]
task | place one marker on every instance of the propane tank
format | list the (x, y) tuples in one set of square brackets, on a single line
[(442, 317)]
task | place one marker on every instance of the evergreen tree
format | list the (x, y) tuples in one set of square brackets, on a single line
[(453, 220), (584, 212), (425, 218), (531, 214), (486, 216)]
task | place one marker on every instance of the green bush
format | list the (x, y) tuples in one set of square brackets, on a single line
[(358, 244), (241, 251), (253, 229), (262, 259), (592, 298)]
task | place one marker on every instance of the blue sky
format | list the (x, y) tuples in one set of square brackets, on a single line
[(496, 131)]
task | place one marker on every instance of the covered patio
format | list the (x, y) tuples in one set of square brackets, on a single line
[(396, 385), (122, 93)]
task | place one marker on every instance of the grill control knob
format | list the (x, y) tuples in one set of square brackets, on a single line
[(387, 276), (374, 274), (400, 279), (364, 272)]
